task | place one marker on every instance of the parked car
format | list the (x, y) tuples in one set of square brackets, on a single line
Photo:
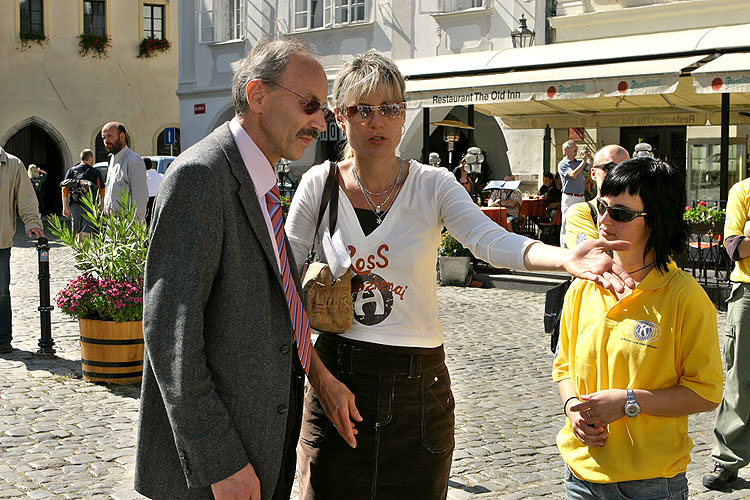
[(102, 166), (162, 162)]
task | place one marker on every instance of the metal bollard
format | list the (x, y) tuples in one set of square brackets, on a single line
[(45, 340)]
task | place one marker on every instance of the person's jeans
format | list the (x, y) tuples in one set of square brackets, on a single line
[(5, 321), (661, 488)]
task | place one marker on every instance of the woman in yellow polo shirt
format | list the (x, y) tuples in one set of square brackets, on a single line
[(631, 367)]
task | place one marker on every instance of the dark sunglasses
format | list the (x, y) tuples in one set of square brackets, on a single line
[(363, 112), (311, 105), (617, 214), (606, 167)]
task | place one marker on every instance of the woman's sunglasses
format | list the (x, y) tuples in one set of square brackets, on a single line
[(311, 105), (363, 112), (617, 214)]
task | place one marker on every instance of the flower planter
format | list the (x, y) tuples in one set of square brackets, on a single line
[(453, 269), (707, 228), (111, 351)]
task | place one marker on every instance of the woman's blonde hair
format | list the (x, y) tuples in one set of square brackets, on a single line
[(364, 75)]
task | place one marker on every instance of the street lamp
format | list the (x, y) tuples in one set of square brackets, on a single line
[(282, 171), (474, 159), (434, 159), (522, 36)]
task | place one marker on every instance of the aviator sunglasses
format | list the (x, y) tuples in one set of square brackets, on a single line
[(617, 214), (362, 112), (311, 105)]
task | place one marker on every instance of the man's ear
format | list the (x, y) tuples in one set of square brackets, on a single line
[(255, 92)]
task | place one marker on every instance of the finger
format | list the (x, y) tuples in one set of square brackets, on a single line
[(614, 245), (354, 412), (580, 407), (623, 275)]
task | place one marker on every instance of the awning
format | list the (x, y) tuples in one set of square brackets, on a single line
[(726, 73), (636, 78)]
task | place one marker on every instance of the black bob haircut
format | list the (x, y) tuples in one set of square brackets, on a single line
[(662, 190)]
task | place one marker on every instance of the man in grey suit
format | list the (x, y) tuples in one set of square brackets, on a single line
[(225, 360)]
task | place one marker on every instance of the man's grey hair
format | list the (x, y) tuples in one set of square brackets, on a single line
[(567, 144), (264, 62), (87, 154)]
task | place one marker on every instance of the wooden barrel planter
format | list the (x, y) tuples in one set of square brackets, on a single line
[(111, 351)]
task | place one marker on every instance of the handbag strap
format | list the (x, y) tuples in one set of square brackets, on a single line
[(330, 197)]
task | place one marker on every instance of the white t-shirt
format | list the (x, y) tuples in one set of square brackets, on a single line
[(153, 181), (395, 282)]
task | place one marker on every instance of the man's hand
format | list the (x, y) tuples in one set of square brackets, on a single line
[(338, 403), (35, 232), (590, 261), (242, 485)]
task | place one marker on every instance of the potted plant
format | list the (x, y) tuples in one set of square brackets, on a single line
[(453, 260), (96, 45), (149, 47), (29, 37), (704, 219), (107, 297)]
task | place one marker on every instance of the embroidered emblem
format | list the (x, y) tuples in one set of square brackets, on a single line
[(645, 331)]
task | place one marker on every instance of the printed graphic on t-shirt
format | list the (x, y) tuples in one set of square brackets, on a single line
[(643, 333), (373, 296)]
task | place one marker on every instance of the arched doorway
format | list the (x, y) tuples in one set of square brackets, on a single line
[(32, 144)]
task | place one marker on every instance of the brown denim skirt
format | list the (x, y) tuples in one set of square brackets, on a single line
[(405, 442)]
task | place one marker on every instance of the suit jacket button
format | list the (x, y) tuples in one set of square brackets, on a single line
[(281, 409), (284, 349)]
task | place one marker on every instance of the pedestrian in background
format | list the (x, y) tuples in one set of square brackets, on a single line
[(391, 358), (153, 180), (571, 172), (580, 224), (632, 366), (16, 198), (72, 205), (731, 449), (126, 171), (227, 341), (38, 176)]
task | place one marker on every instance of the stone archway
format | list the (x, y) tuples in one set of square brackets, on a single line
[(35, 141)]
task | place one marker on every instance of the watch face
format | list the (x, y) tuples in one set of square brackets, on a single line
[(632, 409)]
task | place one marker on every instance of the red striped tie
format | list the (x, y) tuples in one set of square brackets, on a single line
[(300, 322)]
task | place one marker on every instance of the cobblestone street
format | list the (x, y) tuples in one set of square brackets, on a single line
[(61, 437)]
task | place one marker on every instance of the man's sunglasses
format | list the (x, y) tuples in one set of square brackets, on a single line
[(617, 214), (311, 105), (606, 167), (362, 112)]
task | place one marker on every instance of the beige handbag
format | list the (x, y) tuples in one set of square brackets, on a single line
[(328, 302)]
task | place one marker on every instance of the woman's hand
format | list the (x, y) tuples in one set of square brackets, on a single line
[(589, 435), (603, 407), (590, 261)]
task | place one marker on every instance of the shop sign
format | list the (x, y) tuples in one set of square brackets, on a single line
[(332, 133), (465, 97), (710, 83), (651, 120)]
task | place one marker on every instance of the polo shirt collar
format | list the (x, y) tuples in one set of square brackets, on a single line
[(656, 279)]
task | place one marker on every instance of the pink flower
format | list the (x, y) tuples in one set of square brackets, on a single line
[(702, 204), (687, 207)]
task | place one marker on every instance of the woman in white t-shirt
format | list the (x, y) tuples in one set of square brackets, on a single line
[(391, 214)]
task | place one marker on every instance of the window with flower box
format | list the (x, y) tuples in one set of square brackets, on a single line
[(31, 16), (94, 17), (153, 21)]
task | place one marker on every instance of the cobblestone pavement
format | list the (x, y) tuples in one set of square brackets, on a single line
[(61, 437)]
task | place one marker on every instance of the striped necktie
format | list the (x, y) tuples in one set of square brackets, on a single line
[(300, 323)]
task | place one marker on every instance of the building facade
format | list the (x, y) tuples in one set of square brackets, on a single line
[(601, 71), (71, 66)]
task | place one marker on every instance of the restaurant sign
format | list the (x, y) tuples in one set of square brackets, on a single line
[(712, 83)]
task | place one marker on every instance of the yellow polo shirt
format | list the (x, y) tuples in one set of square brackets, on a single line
[(578, 225), (661, 335), (738, 212)]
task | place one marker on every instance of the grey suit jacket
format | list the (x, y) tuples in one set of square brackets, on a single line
[(218, 335)]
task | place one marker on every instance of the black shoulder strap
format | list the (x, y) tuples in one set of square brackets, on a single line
[(330, 195), (592, 210)]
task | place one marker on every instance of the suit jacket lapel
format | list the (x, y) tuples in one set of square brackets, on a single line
[(247, 195)]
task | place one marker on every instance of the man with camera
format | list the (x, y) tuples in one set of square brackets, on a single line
[(573, 182)]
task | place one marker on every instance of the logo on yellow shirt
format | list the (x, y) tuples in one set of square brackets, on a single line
[(645, 331)]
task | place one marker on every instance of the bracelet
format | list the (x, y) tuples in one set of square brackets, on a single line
[(565, 404)]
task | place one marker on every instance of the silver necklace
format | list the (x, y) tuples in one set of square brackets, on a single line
[(378, 208)]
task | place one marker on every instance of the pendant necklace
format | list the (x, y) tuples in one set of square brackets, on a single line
[(377, 209)]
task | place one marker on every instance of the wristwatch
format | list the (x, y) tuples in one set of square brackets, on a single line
[(631, 407)]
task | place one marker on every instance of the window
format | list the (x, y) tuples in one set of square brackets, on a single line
[(153, 21), (221, 20), (233, 25), (94, 17), (458, 5), (31, 16), (310, 14)]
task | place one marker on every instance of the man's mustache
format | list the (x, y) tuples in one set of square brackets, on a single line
[(308, 132)]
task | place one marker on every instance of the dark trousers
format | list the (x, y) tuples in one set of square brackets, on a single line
[(405, 443), (6, 327)]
